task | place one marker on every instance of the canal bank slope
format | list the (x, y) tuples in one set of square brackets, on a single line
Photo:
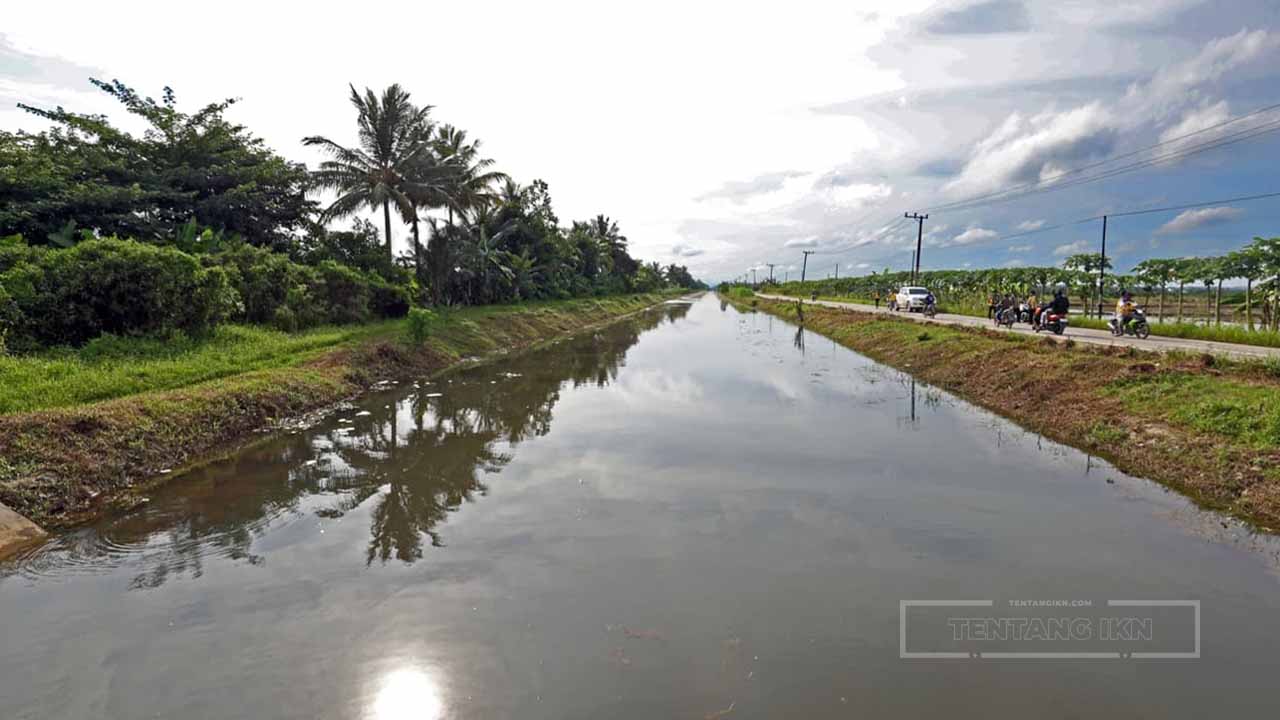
[(62, 466), (1206, 427)]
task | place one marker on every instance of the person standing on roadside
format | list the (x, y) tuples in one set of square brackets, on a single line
[(876, 295)]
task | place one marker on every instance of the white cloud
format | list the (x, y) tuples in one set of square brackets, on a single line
[(1194, 121), (1072, 248), (808, 242), (681, 250), (1173, 85), (1029, 225), (1189, 220), (973, 235), (1015, 263), (856, 194), (1028, 149), (1019, 248)]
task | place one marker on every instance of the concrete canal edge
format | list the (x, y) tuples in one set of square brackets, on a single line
[(16, 531)]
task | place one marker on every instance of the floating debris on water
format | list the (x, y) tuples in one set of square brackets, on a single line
[(619, 655), (715, 714), (641, 634), (431, 395)]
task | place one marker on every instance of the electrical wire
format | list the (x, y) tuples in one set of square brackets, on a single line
[(1223, 141), (967, 201)]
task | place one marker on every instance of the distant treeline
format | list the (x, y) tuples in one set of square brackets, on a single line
[(1257, 264), (195, 221)]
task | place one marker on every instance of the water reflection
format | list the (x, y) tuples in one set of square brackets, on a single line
[(417, 457), (408, 694)]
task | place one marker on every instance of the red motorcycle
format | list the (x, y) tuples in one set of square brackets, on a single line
[(1050, 320)]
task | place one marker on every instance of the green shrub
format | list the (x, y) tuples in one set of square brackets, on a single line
[(70, 296), (420, 320), (387, 300), (263, 280), (343, 292), (285, 319)]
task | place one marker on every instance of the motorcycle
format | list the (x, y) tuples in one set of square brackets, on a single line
[(1137, 325), (1024, 313), (1050, 320), (1006, 316), (930, 309)]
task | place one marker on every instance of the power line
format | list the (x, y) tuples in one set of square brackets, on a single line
[(883, 231), (1188, 206), (1129, 213), (1052, 184), (1223, 141), (955, 204)]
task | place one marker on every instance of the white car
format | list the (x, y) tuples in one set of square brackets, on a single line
[(910, 298)]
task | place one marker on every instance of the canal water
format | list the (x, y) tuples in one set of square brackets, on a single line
[(695, 513)]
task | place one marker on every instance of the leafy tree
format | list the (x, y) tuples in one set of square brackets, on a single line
[(1159, 273), (1248, 263), (86, 173)]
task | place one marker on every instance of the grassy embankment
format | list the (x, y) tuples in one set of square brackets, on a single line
[(1206, 427), (87, 428), (1185, 330)]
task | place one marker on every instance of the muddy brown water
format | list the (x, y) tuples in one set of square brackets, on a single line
[(696, 513)]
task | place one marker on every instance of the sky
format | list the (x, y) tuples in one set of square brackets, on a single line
[(728, 135)]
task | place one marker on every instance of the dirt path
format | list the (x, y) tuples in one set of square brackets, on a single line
[(1082, 335)]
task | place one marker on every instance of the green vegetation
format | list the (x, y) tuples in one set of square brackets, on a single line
[(1245, 412), (196, 222), (1182, 288), (420, 321), (111, 366)]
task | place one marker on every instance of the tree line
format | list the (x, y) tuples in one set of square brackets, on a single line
[(199, 185), (1257, 264)]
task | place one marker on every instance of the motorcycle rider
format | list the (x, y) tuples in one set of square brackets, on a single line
[(929, 301), (1007, 305), (1059, 305), (1124, 312)]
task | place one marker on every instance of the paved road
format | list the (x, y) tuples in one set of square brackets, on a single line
[(1085, 335)]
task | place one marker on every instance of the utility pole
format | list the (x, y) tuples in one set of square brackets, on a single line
[(805, 264), (753, 276), (837, 271), (770, 271), (915, 270), (1102, 265), (786, 277)]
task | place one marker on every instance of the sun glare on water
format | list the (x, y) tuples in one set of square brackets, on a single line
[(408, 694)]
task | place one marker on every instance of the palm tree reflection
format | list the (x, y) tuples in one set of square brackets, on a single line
[(416, 457)]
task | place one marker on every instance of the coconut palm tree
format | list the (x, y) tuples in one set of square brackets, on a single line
[(468, 185), (393, 136)]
